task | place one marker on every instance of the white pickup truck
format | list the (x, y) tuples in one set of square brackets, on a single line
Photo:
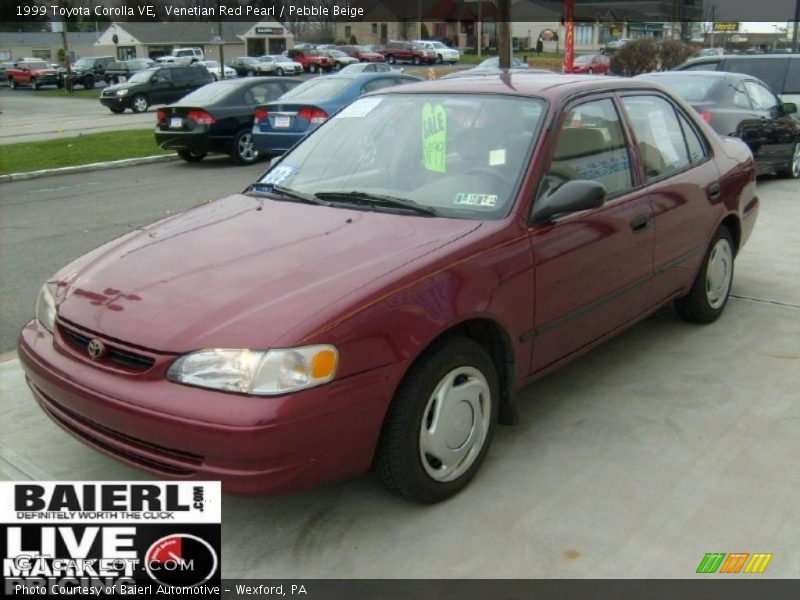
[(182, 56)]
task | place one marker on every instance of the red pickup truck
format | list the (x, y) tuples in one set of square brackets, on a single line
[(311, 60), (34, 73)]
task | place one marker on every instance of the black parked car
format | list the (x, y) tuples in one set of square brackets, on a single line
[(744, 107), (218, 118), (159, 85), (87, 71), (122, 70), (245, 66)]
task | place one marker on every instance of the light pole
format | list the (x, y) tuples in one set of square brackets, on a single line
[(796, 25)]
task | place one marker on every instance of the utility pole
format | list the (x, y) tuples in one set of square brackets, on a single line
[(569, 42), (504, 33), (67, 62), (713, 18), (796, 26), (221, 44)]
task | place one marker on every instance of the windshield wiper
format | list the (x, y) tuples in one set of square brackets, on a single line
[(378, 200), (279, 190)]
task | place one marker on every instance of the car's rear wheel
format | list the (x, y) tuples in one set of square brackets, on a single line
[(392, 60), (12, 84), (215, 77), (251, 73), (34, 84), (439, 426), (279, 72), (312, 68), (439, 59), (792, 171), (192, 155), (591, 71), (244, 150), (139, 103), (88, 83), (417, 60), (709, 294)]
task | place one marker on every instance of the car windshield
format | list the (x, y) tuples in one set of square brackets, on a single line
[(688, 87), (283, 59), (316, 89), (34, 65), (458, 155), (142, 76), (84, 62), (210, 64), (585, 59), (248, 59), (336, 53)]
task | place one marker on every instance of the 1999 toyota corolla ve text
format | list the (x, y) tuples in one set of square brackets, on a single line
[(380, 295)]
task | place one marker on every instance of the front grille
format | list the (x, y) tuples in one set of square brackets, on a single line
[(131, 360), (59, 412)]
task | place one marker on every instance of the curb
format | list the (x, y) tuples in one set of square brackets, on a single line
[(101, 166)]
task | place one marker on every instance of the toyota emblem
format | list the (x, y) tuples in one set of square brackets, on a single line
[(96, 348)]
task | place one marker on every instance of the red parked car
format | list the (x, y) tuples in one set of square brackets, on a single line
[(33, 73), (591, 63), (312, 60), (380, 295), (412, 52), (363, 54)]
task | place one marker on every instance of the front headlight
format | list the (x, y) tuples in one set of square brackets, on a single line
[(122, 92), (262, 373), (46, 308)]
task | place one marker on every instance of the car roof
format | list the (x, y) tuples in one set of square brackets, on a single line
[(696, 73), (366, 76), (720, 57), (552, 86)]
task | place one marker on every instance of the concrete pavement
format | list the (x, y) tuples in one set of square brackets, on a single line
[(668, 442), (28, 117)]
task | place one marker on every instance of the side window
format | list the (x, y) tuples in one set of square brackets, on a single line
[(180, 75), (792, 85), (165, 75), (377, 84), (769, 69), (739, 97), (591, 145), (760, 96), (696, 147), (713, 66), (263, 93), (658, 134)]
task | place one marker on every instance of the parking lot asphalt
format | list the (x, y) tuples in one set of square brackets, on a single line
[(26, 116), (668, 442)]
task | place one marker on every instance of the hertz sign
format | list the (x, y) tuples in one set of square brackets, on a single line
[(726, 27)]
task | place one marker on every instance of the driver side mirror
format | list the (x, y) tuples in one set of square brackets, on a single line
[(788, 108), (572, 196)]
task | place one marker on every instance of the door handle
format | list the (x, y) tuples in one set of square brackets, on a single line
[(713, 191), (640, 223)]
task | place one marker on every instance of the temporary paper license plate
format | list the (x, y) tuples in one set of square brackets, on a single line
[(176, 122), (282, 122)]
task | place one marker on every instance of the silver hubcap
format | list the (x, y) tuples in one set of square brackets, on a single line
[(455, 423), (141, 104), (796, 161), (246, 149), (718, 273)]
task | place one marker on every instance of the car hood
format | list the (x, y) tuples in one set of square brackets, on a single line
[(235, 274)]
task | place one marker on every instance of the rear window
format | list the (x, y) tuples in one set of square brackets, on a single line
[(703, 66), (792, 85), (689, 87), (317, 89), (771, 71), (211, 93)]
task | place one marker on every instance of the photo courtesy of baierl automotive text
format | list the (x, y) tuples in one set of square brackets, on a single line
[(324, 299)]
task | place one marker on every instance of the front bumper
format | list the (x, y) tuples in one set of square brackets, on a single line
[(253, 445), (115, 101)]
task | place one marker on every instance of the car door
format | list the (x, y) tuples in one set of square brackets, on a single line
[(681, 182), (777, 131), (162, 90), (592, 268)]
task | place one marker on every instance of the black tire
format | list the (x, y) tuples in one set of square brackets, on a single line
[(279, 72), (88, 82), (792, 170), (191, 155), (241, 141), (398, 462), (337, 66), (312, 68), (140, 103), (34, 84), (117, 110), (439, 59), (215, 77), (591, 71), (417, 61), (12, 84), (251, 73), (696, 306), (392, 60)]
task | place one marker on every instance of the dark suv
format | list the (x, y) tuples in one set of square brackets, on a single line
[(159, 85), (408, 52), (86, 71)]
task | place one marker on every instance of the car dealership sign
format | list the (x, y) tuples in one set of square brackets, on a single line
[(90, 538)]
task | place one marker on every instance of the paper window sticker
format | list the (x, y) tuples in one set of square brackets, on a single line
[(497, 157), (279, 174), (359, 108), (434, 137)]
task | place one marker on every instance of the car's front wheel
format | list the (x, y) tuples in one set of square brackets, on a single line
[(417, 60), (792, 170), (191, 155), (88, 83), (244, 150), (34, 84), (12, 84), (312, 68), (439, 426), (279, 72), (709, 294), (139, 103)]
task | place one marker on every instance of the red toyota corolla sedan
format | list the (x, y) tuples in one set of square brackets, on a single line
[(380, 295)]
